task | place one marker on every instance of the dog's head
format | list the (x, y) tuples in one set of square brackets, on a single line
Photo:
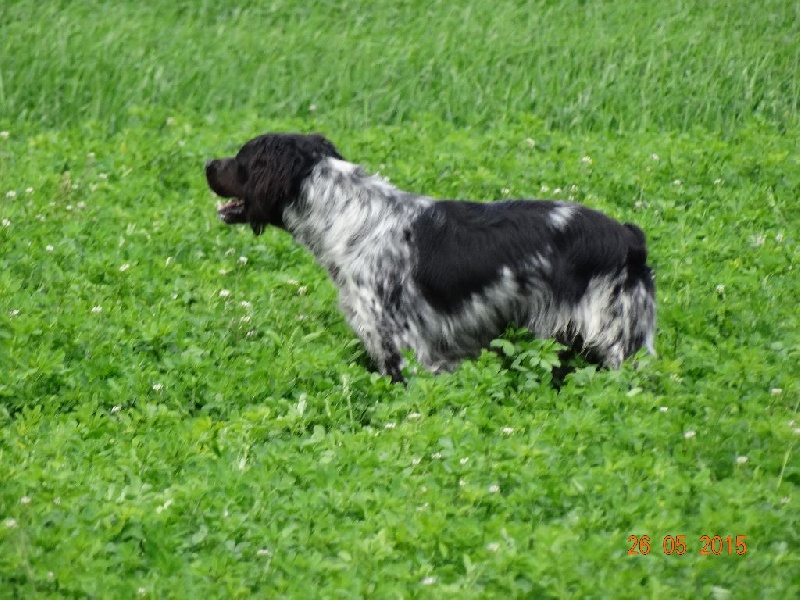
[(265, 176)]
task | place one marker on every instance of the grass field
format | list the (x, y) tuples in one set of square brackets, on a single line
[(183, 411)]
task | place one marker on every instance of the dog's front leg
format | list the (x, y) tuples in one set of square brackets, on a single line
[(370, 321)]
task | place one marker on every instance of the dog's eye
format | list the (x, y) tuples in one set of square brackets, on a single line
[(241, 174)]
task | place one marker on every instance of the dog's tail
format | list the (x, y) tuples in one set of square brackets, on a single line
[(637, 247), (641, 287)]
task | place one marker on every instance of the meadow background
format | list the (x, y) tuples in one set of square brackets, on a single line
[(184, 413)]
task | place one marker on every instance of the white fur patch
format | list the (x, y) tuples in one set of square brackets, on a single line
[(561, 215)]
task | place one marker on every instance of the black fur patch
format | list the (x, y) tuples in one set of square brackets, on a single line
[(462, 248)]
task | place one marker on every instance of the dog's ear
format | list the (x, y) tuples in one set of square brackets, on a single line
[(278, 166), (322, 146)]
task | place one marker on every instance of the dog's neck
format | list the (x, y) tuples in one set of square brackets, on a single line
[(343, 213)]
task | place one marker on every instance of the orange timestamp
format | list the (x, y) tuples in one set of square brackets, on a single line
[(676, 544)]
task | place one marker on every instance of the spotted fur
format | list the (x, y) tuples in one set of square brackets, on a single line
[(443, 278)]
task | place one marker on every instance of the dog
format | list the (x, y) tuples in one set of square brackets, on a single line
[(442, 278)]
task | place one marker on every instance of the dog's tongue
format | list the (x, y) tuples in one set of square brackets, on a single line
[(230, 210), (235, 203)]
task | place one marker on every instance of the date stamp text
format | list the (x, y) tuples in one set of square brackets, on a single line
[(705, 545)]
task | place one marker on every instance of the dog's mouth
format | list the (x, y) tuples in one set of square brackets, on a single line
[(232, 212)]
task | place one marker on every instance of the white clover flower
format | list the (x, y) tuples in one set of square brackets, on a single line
[(69, 207), (11, 194), (142, 591), (493, 546), (557, 191), (245, 304), (689, 434), (720, 593), (463, 460), (507, 430), (663, 408), (302, 290), (720, 288), (677, 182), (157, 387), (785, 500), (718, 181), (57, 500), (776, 391), (245, 319), (390, 425), (429, 580), (758, 240), (25, 500), (81, 205), (293, 282), (436, 455), (164, 506), (74, 186), (6, 223), (10, 523), (170, 120), (181, 143), (494, 488), (740, 460), (97, 309), (505, 191), (301, 317), (103, 176), (124, 267), (49, 248), (416, 460), (587, 160), (14, 312), (39, 217), (544, 189), (224, 293), (531, 142), (91, 156), (655, 157), (423, 506), (4, 135), (243, 260), (115, 409), (28, 190), (169, 261), (414, 415), (264, 552), (462, 483)]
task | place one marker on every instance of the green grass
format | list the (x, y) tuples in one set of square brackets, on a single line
[(183, 411), (576, 64)]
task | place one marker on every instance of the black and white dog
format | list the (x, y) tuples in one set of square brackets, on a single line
[(443, 278)]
